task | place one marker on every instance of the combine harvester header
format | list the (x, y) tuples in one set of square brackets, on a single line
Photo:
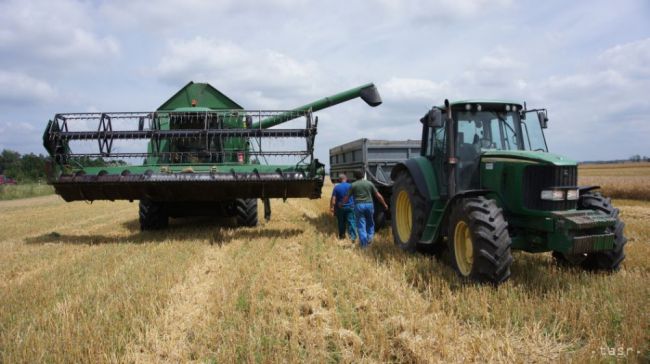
[(204, 155)]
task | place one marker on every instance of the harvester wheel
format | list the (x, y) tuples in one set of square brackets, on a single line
[(246, 211), (609, 260), (152, 215), (478, 241), (407, 212)]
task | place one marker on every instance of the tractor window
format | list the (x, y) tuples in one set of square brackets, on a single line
[(487, 130), (533, 134), (440, 140)]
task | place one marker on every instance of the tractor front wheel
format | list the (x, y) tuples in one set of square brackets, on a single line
[(609, 260), (407, 212), (479, 242), (246, 211), (153, 215)]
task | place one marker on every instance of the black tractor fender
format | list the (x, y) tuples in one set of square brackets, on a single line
[(585, 189)]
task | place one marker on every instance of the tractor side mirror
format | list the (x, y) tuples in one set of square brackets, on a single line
[(433, 118), (543, 119)]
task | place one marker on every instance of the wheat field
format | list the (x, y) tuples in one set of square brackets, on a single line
[(80, 283), (620, 180)]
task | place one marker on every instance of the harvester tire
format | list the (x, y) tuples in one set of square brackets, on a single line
[(609, 260), (407, 213), (246, 211), (479, 243), (152, 215)]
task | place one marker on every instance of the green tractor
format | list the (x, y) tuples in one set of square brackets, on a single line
[(485, 184), (198, 154)]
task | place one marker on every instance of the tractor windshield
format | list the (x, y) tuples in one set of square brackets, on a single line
[(487, 130), (478, 131)]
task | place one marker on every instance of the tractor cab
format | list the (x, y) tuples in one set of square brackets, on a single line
[(478, 126)]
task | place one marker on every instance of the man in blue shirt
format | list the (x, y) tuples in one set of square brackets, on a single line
[(344, 212)]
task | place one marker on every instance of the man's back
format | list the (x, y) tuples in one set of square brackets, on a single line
[(362, 191), (340, 191)]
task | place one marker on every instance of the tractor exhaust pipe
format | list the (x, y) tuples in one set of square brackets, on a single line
[(451, 153)]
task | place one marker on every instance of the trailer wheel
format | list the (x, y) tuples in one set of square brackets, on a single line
[(479, 242), (152, 215), (407, 213), (379, 216), (609, 260), (246, 211)]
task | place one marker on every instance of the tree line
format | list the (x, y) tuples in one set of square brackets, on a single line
[(31, 167), (24, 168)]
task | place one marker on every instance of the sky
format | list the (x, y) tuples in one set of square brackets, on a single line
[(587, 62)]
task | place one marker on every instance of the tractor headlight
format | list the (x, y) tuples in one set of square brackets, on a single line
[(572, 195), (553, 195)]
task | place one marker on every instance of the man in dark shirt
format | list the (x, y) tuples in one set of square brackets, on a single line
[(362, 191), (344, 212)]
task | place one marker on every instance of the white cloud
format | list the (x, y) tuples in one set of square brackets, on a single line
[(19, 88), (263, 75), (497, 73), (440, 10), (14, 134), (631, 59), (163, 16), (46, 31), (413, 89)]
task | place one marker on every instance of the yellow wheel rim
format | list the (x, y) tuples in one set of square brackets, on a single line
[(463, 248), (404, 218)]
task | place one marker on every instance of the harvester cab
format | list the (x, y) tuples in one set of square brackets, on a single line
[(199, 153), (485, 184)]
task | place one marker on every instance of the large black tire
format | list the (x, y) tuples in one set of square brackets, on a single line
[(609, 260), (407, 212), (246, 211), (479, 242), (379, 216), (153, 215)]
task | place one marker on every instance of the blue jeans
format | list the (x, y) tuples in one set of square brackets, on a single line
[(365, 224), (345, 216)]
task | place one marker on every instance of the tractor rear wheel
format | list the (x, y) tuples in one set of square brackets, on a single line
[(153, 215), (407, 212), (478, 241), (609, 260), (246, 211)]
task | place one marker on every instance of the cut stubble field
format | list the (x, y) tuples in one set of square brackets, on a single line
[(81, 283)]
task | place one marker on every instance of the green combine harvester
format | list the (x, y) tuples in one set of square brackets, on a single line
[(205, 155)]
